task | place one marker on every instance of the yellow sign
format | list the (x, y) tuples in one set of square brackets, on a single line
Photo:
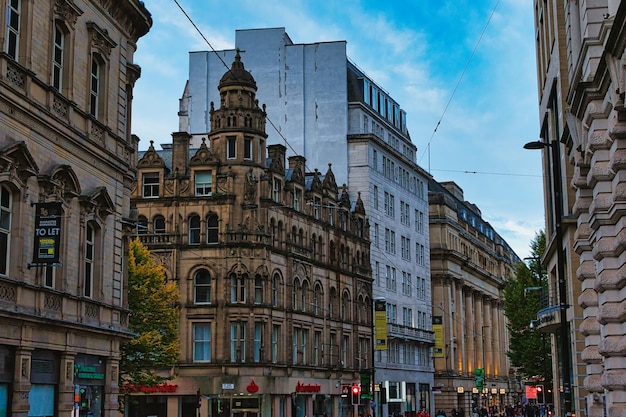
[(438, 331), (380, 324)]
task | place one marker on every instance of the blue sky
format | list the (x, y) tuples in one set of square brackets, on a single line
[(417, 50)]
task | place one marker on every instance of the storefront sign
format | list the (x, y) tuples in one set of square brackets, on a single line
[(252, 387), (131, 389), (47, 233), (308, 387)]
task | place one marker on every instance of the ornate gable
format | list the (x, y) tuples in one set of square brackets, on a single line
[(276, 166), (17, 160), (329, 182), (316, 184), (344, 201), (360, 207), (99, 201), (297, 175), (203, 156), (151, 159)]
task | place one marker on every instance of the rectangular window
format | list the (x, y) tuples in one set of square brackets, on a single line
[(6, 203), (405, 248), (202, 342), (238, 342), (150, 185), (89, 260), (231, 150), (13, 21), (297, 199), (275, 338), (258, 341), (406, 283), (276, 190), (317, 202), (247, 148), (49, 277), (375, 197), (204, 183), (407, 317), (317, 337), (94, 88), (389, 204), (375, 160), (57, 57)]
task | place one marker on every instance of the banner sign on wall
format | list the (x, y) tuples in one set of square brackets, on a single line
[(47, 233), (380, 324), (438, 331)]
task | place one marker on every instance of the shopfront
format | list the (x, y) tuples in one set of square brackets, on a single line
[(6, 379), (44, 377), (89, 385)]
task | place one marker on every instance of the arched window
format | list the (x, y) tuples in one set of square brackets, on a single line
[(345, 306), (318, 300), (194, 229), (202, 287), (158, 224), (238, 288), (91, 249), (303, 295), (295, 294), (6, 209), (212, 235), (142, 225), (258, 289), (273, 231), (275, 286)]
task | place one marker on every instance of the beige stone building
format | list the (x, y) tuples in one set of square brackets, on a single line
[(273, 265), (581, 79), (67, 162), (553, 38), (470, 264)]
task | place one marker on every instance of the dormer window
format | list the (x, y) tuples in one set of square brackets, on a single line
[(276, 190), (204, 183), (151, 185)]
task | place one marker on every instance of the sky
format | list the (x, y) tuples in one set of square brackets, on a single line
[(463, 70)]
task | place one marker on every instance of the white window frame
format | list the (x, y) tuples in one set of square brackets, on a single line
[(201, 340)]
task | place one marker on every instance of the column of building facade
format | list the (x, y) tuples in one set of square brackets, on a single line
[(609, 197), (21, 384), (458, 328), (487, 333), (66, 383), (479, 321), (470, 342), (589, 327)]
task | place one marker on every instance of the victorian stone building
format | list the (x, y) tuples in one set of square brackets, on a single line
[(470, 264), (273, 265), (581, 69), (67, 162), (330, 111)]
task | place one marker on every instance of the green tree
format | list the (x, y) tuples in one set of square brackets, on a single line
[(154, 317), (529, 349)]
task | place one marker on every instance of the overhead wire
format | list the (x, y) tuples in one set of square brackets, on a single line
[(459, 80), (234, 76)]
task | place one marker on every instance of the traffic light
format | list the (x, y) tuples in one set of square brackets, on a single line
[(356, 395), (479, 376), (540, 394)]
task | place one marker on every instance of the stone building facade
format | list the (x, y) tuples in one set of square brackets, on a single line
[(273, 266), (470, 264), (581, 78), (330, 111), (67, 164)]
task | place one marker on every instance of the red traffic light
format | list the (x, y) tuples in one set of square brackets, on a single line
[(356, 389)]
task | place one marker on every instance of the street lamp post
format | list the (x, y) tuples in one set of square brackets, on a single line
[(557, 189)]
